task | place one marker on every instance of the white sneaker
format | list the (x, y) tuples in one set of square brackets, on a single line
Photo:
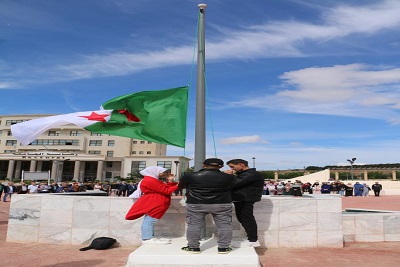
[(155, 241), (244, 244)]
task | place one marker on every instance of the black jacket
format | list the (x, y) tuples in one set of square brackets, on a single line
[(248, 186), (7, 189), (377, 187), (207, 186)]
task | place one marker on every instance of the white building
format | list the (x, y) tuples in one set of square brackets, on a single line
[(72, 153)]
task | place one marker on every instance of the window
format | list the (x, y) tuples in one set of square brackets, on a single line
[(110, 153), (165, 164), (109, 164), (141, 152), (108, 175), (111, 142), (9, 133), (95, 143), (54, 133), (95, 134), (134, 142), (133, 152), (149, 142), (138, 166), (94, 152), (11, 122), (55, 142), (11, 142), (142, 142), (148, 152), (10, 151), (1, 132), (75, 133)]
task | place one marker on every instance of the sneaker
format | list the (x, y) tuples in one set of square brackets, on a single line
[(191, 250), (224, 250), (155, 241), (245, 244)]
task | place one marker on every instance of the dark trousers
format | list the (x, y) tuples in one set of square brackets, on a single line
[(244, 214), (376, 192)]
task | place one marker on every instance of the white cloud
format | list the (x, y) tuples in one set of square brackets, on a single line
[(273, 39), (242, 140), (7, 85), (347, 90)]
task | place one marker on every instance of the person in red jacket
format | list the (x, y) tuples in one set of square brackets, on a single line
[(154, 201)]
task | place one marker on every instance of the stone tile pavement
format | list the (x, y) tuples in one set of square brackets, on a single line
[(353, 254)]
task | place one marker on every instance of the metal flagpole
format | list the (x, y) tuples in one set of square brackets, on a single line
[(200, 131)]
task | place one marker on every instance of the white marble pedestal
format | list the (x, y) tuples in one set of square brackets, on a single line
[(172, 256)]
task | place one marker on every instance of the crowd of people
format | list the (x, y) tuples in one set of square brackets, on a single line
[(297, 188), (7, 189)]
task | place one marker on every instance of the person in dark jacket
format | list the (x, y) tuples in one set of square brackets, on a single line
[(208, 191), (377, 187), (123, 189), (9, 190), (349, 190), (245, 192)]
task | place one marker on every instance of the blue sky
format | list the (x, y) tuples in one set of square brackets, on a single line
[(292, 83)]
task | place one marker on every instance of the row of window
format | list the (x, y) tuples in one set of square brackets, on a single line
[(67, 142), (60, 142), (111, 153), (140, 165), (11, 122), (72, 133), (95, 152)]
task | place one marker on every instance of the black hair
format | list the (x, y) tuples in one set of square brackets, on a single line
[(238, 161)]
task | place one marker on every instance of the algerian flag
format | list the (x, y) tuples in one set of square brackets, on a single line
[(157, 116)]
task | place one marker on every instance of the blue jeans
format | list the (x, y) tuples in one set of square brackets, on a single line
[(5, 196), (148, 227)]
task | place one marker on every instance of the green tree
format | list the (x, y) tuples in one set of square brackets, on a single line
[(378, 175), (268, 175)]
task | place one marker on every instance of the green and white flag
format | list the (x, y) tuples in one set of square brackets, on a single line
[(157, 116)]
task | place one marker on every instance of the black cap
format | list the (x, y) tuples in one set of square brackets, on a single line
[(213, 162)]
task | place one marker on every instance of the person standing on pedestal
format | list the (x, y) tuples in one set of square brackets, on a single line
[(153, 202), (245, 192), (208, 191)]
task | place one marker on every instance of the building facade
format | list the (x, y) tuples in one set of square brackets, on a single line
[(73, 153)]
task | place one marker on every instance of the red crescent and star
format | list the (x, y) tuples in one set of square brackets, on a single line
[(101, 117)]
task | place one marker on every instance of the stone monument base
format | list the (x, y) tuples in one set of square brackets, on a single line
[(172, 256)]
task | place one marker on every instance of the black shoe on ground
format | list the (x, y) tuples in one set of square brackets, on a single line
[(224, 250), (191, 250)]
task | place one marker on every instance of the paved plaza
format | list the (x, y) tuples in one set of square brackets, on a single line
[(353, 254)]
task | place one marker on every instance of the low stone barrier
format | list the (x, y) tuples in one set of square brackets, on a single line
[(308, 221), (370, 226)]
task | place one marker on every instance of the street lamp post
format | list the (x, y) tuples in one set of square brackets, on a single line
[(254, 161), (351, 167)]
